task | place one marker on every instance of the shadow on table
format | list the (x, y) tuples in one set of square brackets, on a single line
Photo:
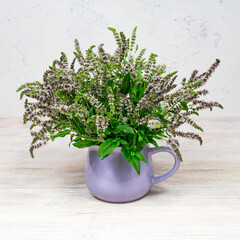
[(156, 191)]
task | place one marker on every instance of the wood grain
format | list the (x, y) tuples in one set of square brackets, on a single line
[(46, 198)]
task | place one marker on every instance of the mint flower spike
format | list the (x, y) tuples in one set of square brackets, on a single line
[(102, 124), (102, 53), (116, 36), (119, 104), (94, 102), (64, 61), (78, 53), (126, 97), (111, 100)]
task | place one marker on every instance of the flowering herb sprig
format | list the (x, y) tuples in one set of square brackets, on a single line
[(114, 100)]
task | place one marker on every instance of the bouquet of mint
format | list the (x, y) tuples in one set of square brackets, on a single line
[(114, 100)]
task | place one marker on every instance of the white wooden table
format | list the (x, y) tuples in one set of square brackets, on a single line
[(46, 198)]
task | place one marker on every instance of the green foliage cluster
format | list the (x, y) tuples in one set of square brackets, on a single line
[(113, 100)]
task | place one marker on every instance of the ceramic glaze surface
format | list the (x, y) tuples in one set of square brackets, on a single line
[(114, 179)]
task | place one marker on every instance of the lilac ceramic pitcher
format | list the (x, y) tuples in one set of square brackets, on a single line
[(114, 179)]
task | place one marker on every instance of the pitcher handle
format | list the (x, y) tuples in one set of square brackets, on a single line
[(163, 177)]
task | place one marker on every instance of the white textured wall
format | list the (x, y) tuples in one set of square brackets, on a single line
[(186, 34)]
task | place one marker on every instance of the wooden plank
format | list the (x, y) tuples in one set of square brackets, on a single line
[(46, 197)]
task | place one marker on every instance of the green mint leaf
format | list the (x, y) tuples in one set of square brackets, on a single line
[(140, 156), (153, 142), (61, 122), (77, 125), (143, 136), (156, 136), (125, 129), (164, 121), (134, 140), (126, 84), (192, 92), (32, 126), (91, 112), (195, 84), (140, 139), (112, 29), (133, 160), (84, 143), (25, 119), (59, 74), (107, 147), (32, 93), (135, 90), (139, 74), (140, 146), (19, 89), (123, 142), (61, 134), (184, 105)]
